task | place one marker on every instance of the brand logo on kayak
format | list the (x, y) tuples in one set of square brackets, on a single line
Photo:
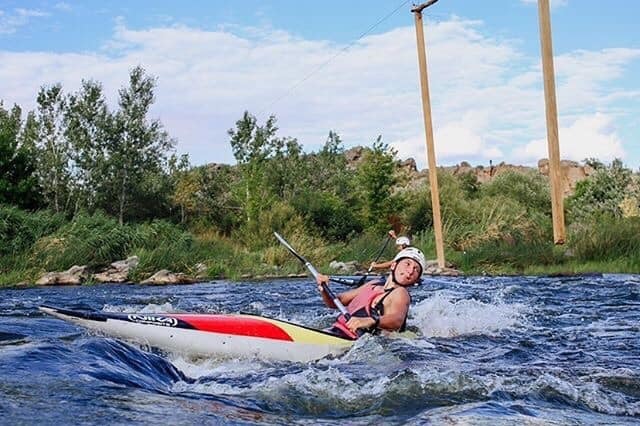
[(152, 319)]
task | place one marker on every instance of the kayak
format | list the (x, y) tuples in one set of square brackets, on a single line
[(212, 335)]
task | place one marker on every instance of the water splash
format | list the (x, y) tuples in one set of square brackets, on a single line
[(441, 315)]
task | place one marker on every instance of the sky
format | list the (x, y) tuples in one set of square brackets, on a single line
[(347, 66)]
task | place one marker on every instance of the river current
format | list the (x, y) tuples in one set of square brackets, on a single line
[(485, 350)]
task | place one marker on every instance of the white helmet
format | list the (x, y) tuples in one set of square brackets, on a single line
[(414, 254), (403, 241)]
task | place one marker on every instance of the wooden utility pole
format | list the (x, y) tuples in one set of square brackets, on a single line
[(551, 109), (428, 127)]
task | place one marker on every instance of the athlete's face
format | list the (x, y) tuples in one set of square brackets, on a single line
[(407, 271)]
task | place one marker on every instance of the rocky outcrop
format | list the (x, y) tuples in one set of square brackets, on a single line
[(571, 173), (165, 276), (118, 272), (486, 174), (73, 276), (354, 156)]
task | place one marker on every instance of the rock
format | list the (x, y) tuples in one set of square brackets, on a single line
[(201, 270), (409, 164), (167, 277), (344, 267), (571, 172), (118, 272), (353, 156), (72, 276), (434, 269)]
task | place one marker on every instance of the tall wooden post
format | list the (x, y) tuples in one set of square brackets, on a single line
[(428, 127), (557, 204)]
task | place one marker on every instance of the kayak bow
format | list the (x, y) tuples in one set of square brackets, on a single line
[(211, 335)]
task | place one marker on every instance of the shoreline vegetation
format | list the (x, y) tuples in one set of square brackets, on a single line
[(86, 185)]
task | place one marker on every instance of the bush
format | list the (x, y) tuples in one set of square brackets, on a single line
[(606, 238), (19, 229), (328, 215), (531, 190), (92, 240), (602, 193)]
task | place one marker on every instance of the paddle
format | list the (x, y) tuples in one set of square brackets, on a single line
[(360, 281), (315, 273), (386, 242)]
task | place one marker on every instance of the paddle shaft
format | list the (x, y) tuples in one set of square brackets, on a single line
[(386, 242), (361, 281), (315, 274)]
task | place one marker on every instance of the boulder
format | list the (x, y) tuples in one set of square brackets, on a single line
[(72, 276), (118, 272), (571, 172), (201, 270), (344, 267), (165, 276)]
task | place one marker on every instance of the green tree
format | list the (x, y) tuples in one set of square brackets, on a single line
[(54, 151), (136, 147), (18, 182), (329, 170), (376, 178), (86, 129), (268, 165)]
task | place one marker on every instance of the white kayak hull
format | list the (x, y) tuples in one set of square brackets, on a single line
[(203, 335)]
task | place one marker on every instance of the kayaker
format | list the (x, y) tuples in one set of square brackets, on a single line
[(381, 304), (401, 244)]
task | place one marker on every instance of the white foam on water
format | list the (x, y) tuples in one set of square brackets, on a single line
[(589, 393), (215, 368), (151, 308), (443, 316)]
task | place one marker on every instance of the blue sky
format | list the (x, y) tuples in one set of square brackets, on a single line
[(306, 63)]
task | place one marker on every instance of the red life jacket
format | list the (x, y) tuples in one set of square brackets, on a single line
[(361, 307)]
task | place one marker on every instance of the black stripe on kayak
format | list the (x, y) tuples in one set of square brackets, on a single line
[(137, 318)]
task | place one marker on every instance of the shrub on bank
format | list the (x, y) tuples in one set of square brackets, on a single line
[(607, 238)]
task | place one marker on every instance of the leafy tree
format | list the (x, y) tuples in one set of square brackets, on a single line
[(86, 129), (18, 182), (328, 170), (268, 165), (214, 202), (54, 151), (376, 178), (136, 147)]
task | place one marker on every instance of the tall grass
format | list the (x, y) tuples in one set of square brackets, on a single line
[(606, 238), (20, 229)]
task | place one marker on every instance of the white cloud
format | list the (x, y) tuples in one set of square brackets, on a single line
[(486, 94), (588, 136), (11, 22), (64, 6)]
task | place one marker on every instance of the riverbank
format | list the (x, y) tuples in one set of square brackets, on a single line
[(41, 245)]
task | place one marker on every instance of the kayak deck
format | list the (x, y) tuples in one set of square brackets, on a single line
[(211, 335)]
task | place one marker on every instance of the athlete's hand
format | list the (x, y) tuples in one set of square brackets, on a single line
[(355, 323), (322, 279)]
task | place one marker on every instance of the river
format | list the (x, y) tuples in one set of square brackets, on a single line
[(489, 350)]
